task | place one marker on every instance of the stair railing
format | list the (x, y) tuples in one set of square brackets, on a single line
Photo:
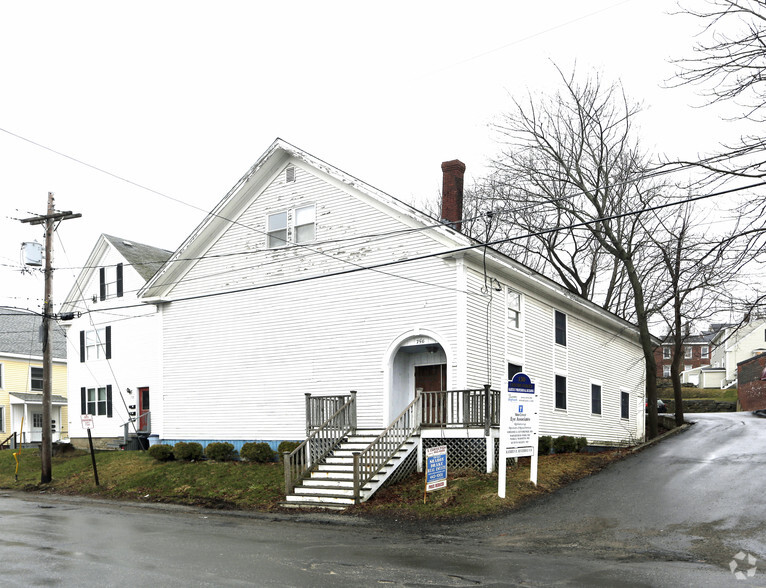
[(369, 462), (10, 438), (322, 441)]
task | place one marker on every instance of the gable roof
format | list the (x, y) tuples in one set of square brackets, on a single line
[(145, 259), (20, 334), (455, 243)]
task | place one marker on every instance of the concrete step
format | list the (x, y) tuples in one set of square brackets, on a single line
[(324, 499), (313, 505), (324, 491)]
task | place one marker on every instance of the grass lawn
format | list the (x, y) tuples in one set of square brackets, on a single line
[(133, 475), (728, 395)]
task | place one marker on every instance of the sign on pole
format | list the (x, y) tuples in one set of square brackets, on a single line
[(87, 421), (519, 426), (436, 469)]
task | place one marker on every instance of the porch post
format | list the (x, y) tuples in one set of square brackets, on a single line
[(356, 477), (353, 411), (308, 413), (486, 410)]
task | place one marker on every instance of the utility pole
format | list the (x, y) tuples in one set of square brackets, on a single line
[(49, 219)]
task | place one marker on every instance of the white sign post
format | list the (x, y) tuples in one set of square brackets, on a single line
[(519, 426)]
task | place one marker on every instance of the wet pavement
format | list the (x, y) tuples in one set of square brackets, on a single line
[(674, 514)]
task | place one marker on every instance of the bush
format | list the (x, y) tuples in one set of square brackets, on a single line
[(219, 451), (187, 451), (580, 443), (287, 446), (544, 444), (257, 452), (564, 444), (161, 452)]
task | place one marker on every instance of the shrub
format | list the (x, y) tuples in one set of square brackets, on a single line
[(544, 444), (219, 451), (564, 444), (257, 452), (187, 451), (580, 443), (287, 446), (161, 452)]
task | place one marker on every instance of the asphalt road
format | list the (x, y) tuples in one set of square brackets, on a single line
[(674, 514)]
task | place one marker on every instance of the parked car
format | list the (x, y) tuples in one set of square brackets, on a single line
[(661, 407)]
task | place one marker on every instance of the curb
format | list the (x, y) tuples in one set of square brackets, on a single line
[(659, 438)]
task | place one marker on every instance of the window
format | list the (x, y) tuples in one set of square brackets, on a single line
[(96, 401), (110, 282), (513, 369), (277, 230), (666, 352), (595, 398), (704, 352), (37, 420), (514, 309), (96, 344), (304, 224), (36, 378), (625, 405), (665, 371), (1, 376), (302, 220), (561, 392), (688, 350), (561, 328), (687, 367), (2, 419)]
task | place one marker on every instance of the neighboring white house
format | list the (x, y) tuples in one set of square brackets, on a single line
[(734, 343), (115, 372), (304, 279)]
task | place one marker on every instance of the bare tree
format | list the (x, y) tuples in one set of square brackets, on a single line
[(571, 159), (699, 273)]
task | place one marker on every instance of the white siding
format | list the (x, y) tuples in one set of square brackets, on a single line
[(136, 353), (237, 366)]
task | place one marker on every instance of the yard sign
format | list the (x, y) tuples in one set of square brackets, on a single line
[(436, 469), (519, 425)]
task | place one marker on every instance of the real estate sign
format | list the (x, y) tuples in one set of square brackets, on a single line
[(519, 425), (436, 468)]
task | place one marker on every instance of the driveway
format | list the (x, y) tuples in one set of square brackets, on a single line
[(695, 497)]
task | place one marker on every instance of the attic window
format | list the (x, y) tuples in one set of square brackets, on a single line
[(290, 174)]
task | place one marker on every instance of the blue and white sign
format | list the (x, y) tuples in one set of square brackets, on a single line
[(436, 468), (519, 426)]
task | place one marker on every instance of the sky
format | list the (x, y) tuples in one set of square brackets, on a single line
[(142, 115)]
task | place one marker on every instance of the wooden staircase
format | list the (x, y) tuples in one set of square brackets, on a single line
[(331, 484)]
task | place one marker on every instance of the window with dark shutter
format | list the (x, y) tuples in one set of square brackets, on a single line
[(83, 401), (82, 347), (561, 392), (108, 343), (561, 328), (624, 405), (119, 280), (102, 283), (595, 398), (109, 401)]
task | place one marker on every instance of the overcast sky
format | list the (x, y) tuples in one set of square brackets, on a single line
[(182, 97)]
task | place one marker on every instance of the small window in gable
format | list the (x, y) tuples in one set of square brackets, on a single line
[(561, 327), (289, 174), (666, 352), (277, 230), (305, 222)]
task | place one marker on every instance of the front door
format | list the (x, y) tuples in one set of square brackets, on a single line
[(433, 378), (143, 410), (36, 432)]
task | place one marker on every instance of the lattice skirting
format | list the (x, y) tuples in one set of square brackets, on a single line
[(407, 467), (463, 453)]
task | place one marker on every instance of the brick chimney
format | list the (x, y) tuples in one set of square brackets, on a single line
[(452, 192)]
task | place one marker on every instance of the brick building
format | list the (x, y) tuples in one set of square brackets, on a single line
[(751, 387)]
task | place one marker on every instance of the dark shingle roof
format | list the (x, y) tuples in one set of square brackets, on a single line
[(20, 334), (144, 258)]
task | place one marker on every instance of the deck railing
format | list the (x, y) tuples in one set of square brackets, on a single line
[(461, 408), (322, 440), (370, 461), (9, 442), (321, 408)]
